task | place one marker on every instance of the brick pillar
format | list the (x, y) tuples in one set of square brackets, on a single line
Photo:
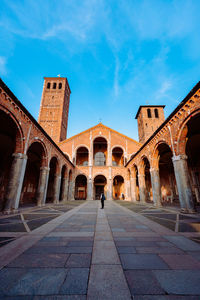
[(109, 152), (64, 190), (133, 189), (183, 183), (127, 193), (109, 185), (155, 182), (42, 186), (56, 188), (142, 188), (15, 182), (71, 190)]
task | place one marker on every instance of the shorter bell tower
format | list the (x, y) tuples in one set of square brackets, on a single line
[(54, 108), (149, 118)]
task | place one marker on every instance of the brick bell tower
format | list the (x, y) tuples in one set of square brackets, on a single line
[(149, 118), (54, 107)]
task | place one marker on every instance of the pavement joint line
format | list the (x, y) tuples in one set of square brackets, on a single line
[(24, 223), (12, 250), (152, 225)]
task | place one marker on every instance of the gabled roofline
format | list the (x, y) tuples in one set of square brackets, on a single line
[(147, 106), (189, 95), (15, 99), (98, 125)]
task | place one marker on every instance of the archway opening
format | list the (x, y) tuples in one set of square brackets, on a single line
[(62, 183), (82, 156), (149, 194), (53, 165), (100, 151), (8, 136), (169, 192), (81, 187), (192, 151), (100, 183), (117, 157), (35, 155), (118, 188), (135, 169)]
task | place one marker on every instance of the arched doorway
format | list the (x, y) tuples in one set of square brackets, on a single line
[(118, 188), (52, 177), (100, 151), (81, 187), (9, 134), (192, 151), (117, 157), (63, 183), (169, 193), (35, 156), (82, 156), (149, 195), (100, 183)]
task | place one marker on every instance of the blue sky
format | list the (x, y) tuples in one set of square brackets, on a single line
[(116, 55)]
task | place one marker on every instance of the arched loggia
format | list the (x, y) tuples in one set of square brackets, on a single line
[(52, 192), (118, 188), (10, 143), (100, 151), (80, 187), (35, 160)]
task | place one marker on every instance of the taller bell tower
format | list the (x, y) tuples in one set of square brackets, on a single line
[(54, 108)]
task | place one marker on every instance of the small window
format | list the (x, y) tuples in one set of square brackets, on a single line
[(54, 85), (48, 85), (60, 86), (156, 113), (149, 113)]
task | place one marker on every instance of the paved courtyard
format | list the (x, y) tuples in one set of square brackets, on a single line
[(90, 253)]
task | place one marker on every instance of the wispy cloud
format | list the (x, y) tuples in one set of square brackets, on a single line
[(3, 68)]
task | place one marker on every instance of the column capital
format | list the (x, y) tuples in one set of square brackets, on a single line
[(20, 155), (44, 168), (179, 157), (153, 169)]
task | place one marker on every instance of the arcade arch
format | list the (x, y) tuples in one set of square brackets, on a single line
[(35, 160), (82, 156), (10, 137), (100, 151), (100, 186), (117, 156), (80, 187), (118, 187)]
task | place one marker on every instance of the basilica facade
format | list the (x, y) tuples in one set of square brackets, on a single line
[(39, 165)]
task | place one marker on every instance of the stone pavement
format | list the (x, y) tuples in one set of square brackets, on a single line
[(90, 253)]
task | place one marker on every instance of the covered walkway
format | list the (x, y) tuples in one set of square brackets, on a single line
[(90, 253)]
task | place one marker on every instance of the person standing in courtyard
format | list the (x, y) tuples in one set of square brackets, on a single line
[(102, 198)]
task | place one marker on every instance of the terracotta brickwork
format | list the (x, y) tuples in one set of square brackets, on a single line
[(149, 118), (53, 116), (164, 169)]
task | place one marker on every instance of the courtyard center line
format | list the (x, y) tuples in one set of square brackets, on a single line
[(107, 280)]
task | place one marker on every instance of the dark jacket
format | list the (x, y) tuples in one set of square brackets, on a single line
[(103, 197)]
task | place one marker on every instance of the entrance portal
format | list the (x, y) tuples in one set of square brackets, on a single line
[(99, 186)]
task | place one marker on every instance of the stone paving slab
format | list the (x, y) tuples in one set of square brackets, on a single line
[(122, 257), (107, 282), (180, 282)]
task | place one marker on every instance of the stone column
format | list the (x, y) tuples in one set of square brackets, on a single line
[(71, 190), (90, 189), (64, 190), (42, 186), (183, 183), (91, 151), (142, 188), (56, 188), (109, 184), (156, 189), (109, 156), (15, 182), (133, 189), (128, 190)]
